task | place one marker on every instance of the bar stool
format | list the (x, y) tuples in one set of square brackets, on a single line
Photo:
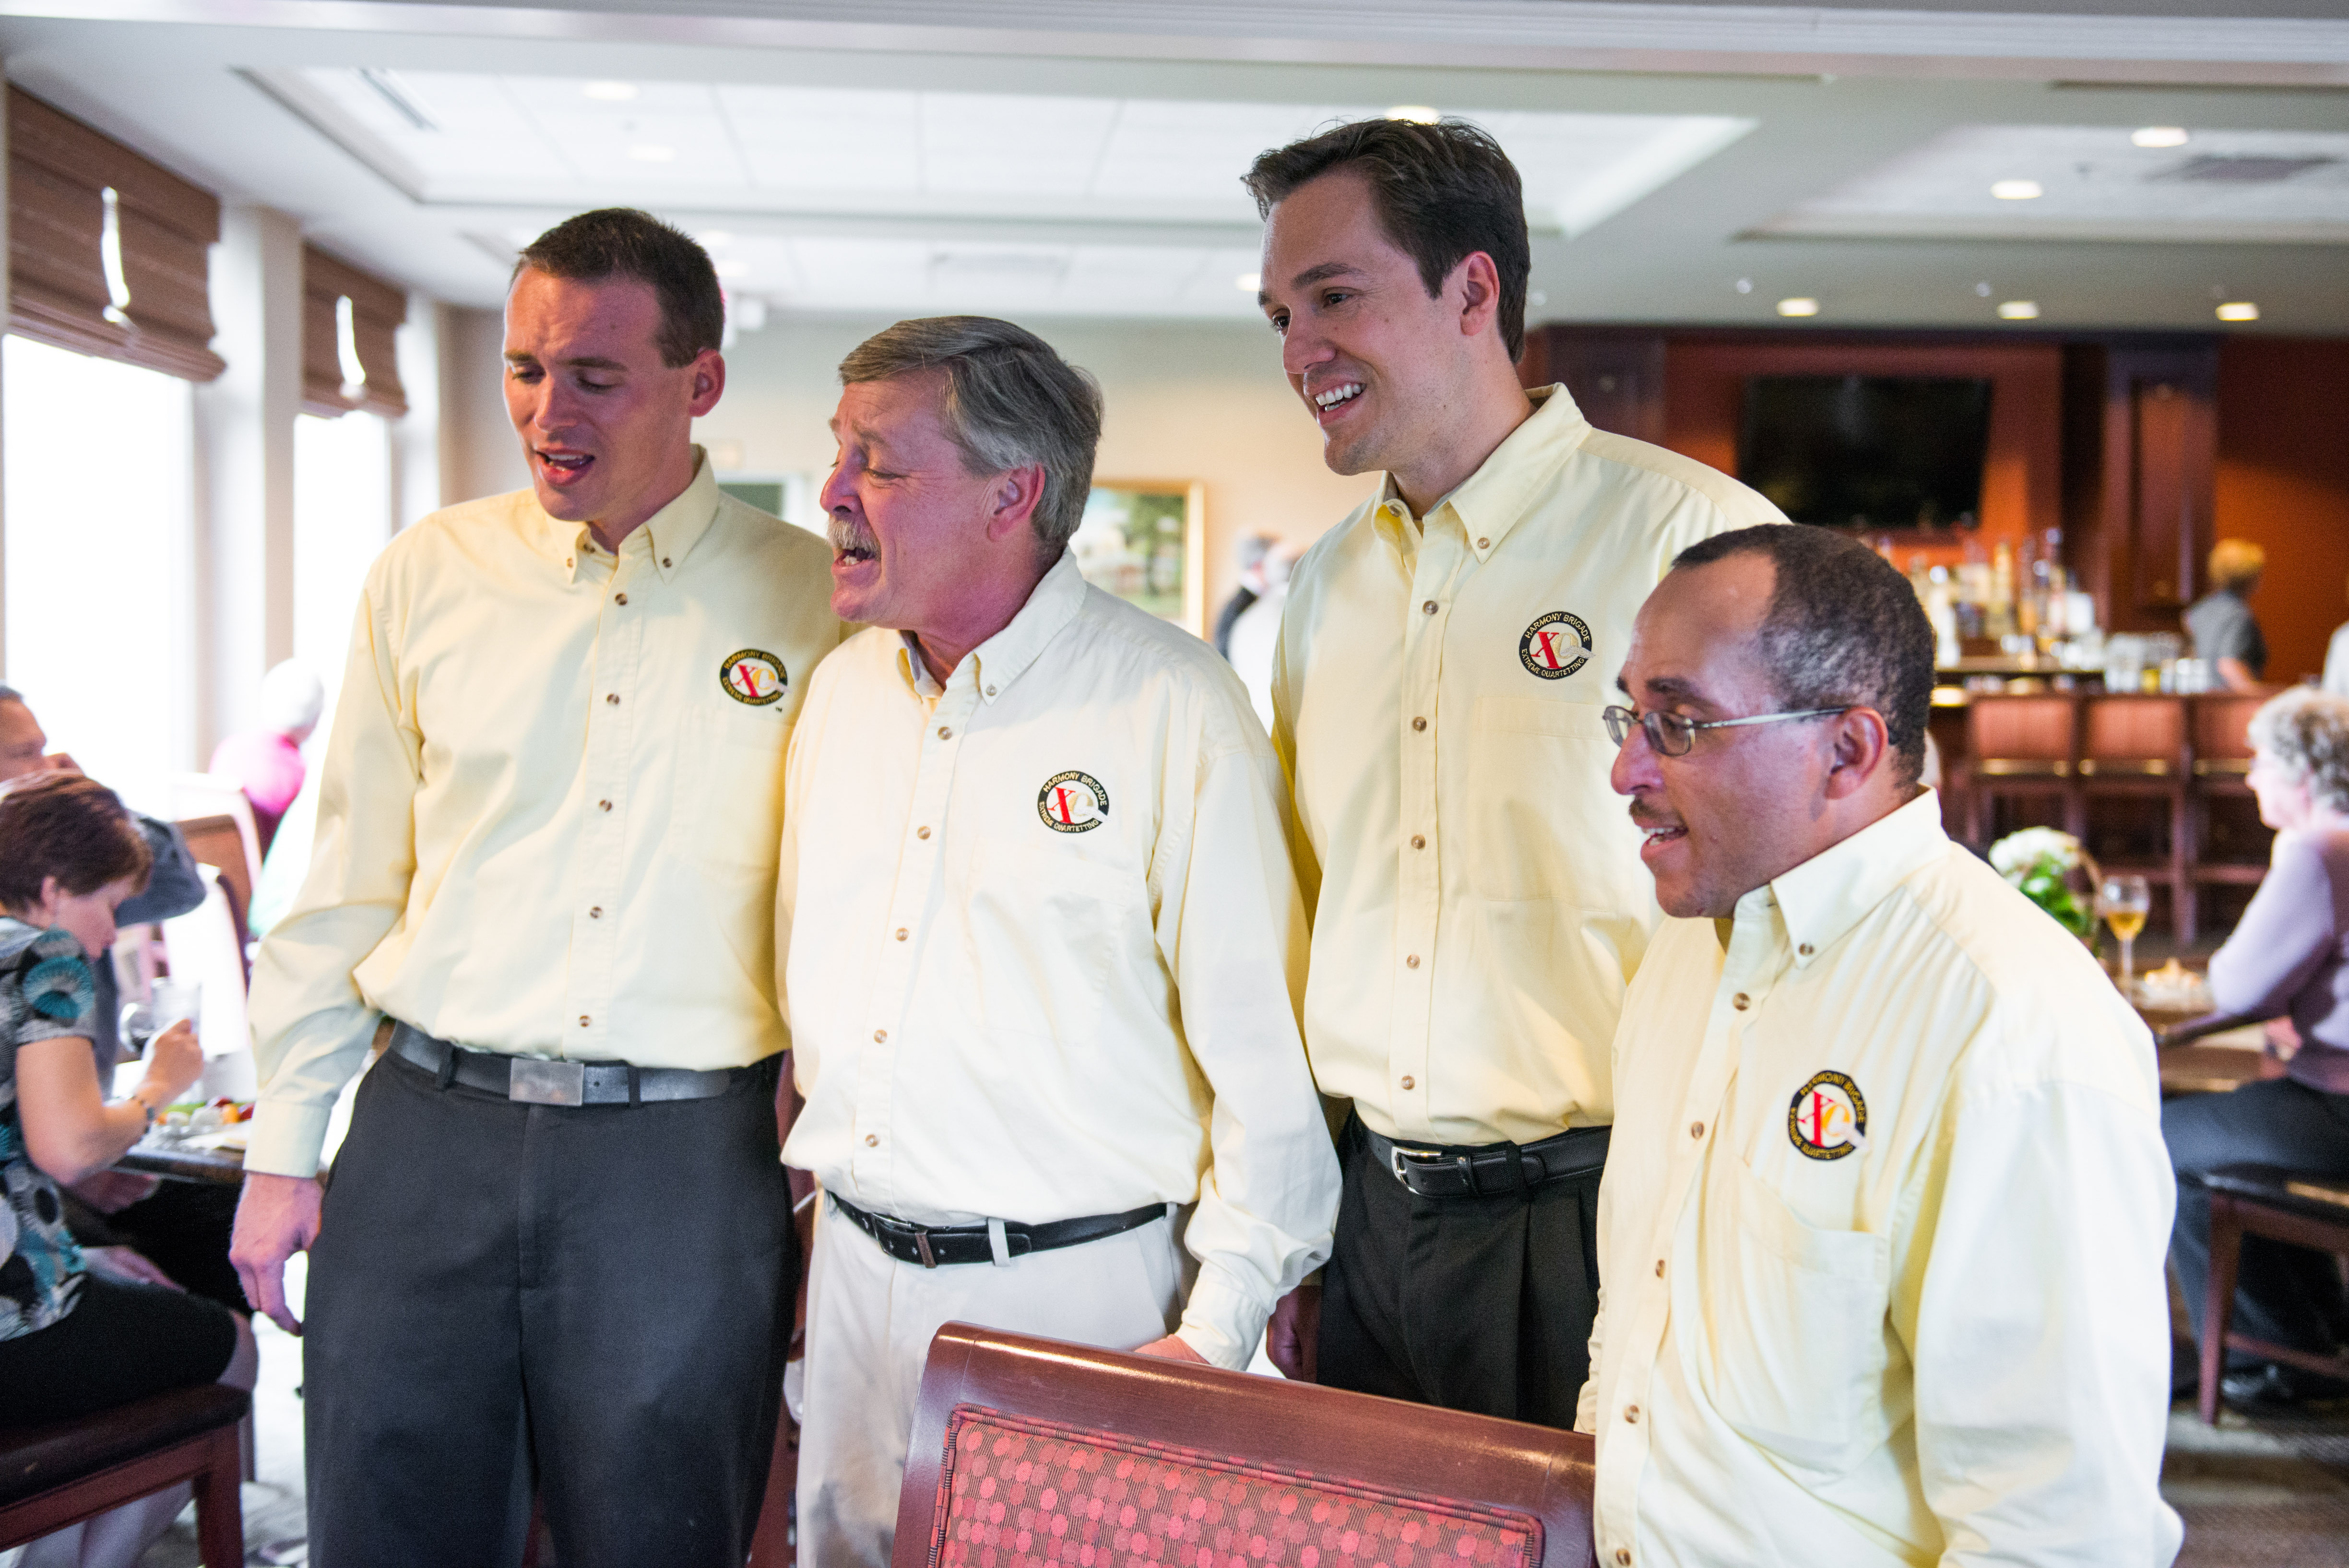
[(2020, 750), (2133, 749)]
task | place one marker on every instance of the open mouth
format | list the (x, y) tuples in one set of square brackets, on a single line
[(1329, 400), (562, 467), (852, 543)]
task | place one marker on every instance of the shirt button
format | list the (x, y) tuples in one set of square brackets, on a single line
[(1418, 723), (1427, 608), (1696, 1129), (665, 562), (1484, 544), (921, 832), (1660, 1268), (1805, 950), (584, 1021), (603, 805), (1741, 1002), (566, 560), (613, 697), (619, 599), (901, 933), (1418, 842), (1631, 1414), (872, 1140), (596, 913), (1409, 1083), (1412, 962), (990, 691), (880, 1035), (1624, 1555), (944, 732)]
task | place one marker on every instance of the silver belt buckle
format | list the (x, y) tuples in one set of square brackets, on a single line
[(537, 1083), (1398, 1153)]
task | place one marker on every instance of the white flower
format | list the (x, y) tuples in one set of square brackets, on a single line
[(2018, 852)]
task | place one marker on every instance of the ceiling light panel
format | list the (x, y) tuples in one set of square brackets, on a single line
[(2095, 182)]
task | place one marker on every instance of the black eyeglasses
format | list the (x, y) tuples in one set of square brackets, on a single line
[(1671, 735)]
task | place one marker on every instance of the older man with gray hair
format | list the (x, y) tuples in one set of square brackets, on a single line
[(1043, 946)]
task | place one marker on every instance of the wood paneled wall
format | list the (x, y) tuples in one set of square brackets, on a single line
[(2283, 483)]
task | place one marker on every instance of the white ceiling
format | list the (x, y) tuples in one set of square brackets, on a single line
[(1688, 163)]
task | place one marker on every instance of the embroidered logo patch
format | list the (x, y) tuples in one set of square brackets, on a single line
[(755, 677), (1828, 1119), (1556, 645), (1073, 803)]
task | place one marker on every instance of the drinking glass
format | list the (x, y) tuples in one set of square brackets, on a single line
[(2125, 902), (168, 1001)]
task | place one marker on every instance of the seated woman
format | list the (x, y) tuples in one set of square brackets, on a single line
[(2288, 961), (72, 1342)]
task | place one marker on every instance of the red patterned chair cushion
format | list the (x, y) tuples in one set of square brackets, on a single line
[(1022, 1493)]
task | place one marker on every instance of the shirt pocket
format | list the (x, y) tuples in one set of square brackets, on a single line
[(728, 801), (1797, 1326), (1541, 822), (1046, 929)]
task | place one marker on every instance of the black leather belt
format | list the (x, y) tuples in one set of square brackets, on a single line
[(932, 1246), (1493, 1170), (534, 1081)]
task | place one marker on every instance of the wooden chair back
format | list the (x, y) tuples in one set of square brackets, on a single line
[(57, 1475), (219, 842), (2021, 736), (1021, 1444)]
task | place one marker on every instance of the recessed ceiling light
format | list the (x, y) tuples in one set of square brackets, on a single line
[(2238, 310), (2018, 310), (1417, 113), (609, 92), (2017, 191), (1799, 306), (1744, 286), (1248, 282), (1981, 291), (652, 153), (731, 267), (2159, 135)]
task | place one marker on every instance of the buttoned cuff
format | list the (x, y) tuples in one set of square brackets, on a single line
[(285, 1139), (1224, 1319)]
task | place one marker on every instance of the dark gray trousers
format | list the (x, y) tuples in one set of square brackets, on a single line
[(2286, 1295), (1472, 1303), (594, 1300)]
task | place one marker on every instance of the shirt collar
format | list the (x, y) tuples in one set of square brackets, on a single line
[(1002, 659), (666, 537), (1836, 889), (1490, 501)]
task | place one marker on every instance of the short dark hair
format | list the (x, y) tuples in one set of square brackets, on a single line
[(621, 242), (1442, 192), (1844, 629), (69, 827)]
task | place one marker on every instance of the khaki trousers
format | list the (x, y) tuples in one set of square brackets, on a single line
[(869, 1325)]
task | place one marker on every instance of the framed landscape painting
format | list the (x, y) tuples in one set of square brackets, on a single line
[(1145, 541)]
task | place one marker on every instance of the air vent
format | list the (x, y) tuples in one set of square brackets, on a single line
[(2214, 170)]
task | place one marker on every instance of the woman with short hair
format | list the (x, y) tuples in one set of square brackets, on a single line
[(2225, 632), (73, 1343), (2287, 960)]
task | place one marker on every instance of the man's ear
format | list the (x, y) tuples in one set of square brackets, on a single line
[(1013, 501), (708, 380), (1860, 750), (1475, 282)]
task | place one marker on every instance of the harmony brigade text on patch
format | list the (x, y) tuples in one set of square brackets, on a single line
[(754, 676), (1073, 803), (1556, 645), (1828, 1119)]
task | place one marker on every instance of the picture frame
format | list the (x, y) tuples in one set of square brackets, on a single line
[(1145, 540)]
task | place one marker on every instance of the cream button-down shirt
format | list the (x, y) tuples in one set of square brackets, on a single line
[(1045, 946), (1477, 898), (552, 800), (1882, 1233)]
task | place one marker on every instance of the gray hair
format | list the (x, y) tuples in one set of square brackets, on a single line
[(1010, 401), (2305, 731), (10, 694)]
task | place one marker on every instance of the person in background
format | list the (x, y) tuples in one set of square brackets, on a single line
[(1255, 635), (1251, 551), (1475, 898), (1041, 936), (2225, 632), (134, 1227), (267, 763), (558, 1242), (1883, 1225), (73, 1342), (2287, 960)]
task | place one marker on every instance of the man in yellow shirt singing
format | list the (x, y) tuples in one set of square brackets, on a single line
[(558, 1242), (1476, 899)]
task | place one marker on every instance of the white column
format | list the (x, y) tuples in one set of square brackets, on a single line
[(244, 468), (420, 442)]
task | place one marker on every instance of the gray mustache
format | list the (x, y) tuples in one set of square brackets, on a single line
[(847, 533)]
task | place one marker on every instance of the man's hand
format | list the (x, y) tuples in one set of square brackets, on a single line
[(277, 1218), (1174, 1347), (128, 1266), (1292, 1341)]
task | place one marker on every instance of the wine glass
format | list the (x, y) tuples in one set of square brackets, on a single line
[(2126, 900)]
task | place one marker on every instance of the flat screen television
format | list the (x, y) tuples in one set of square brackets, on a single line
[(1870, 453)]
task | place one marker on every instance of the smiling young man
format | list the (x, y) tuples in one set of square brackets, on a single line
[(1884, 1224), (1477, 905), (557, 1250), (1043, 938)]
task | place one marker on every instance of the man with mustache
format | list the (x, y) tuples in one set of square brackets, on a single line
[(1883, 1226), (1477, 901), (1043, 940), (557, 1247)]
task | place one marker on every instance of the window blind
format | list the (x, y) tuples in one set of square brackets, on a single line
[(349, 319), (108, 254)]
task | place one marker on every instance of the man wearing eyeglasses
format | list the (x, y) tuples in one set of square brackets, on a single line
[(1477, 904), (1883, 1231)]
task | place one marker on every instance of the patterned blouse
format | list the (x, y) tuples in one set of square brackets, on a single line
[(46, 992)]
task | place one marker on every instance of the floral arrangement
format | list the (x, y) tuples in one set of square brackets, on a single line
[(2049, 867)]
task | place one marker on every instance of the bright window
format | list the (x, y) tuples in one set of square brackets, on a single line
[(100, 597), (342, 520)]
